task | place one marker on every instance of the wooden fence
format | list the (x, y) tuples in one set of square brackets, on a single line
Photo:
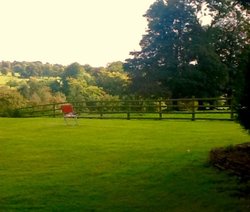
[(192, 109)]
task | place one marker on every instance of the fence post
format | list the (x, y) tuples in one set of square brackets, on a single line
[(193, 108), (54, 110), (101, 109), (160, 110), (128, 110), (232, 108)]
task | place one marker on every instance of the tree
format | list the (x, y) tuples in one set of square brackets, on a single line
[(113, 79), (230, 31), (244, 99), (10, 99), (232, 22), (38, 92), (75, 71), (115, 67), (80, 91), (177, 57)]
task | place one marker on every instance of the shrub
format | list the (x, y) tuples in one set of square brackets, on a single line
[(10, 100)]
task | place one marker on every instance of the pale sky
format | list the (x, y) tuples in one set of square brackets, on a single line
[(94, 32)]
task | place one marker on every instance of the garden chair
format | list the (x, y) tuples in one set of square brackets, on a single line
[(69, 113)]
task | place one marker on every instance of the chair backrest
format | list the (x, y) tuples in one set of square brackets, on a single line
[(67, 108)]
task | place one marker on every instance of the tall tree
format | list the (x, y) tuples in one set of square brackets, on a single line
[(10, 99), (232, 22), (79, 90), (230, 30), (177, 57), (244, 99), (113, 79), (73, 71)]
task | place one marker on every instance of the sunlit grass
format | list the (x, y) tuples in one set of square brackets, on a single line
[(115, 165)]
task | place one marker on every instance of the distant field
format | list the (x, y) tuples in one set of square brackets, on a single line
[(115, 165)]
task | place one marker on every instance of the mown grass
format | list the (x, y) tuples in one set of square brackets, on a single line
[(115, 165)]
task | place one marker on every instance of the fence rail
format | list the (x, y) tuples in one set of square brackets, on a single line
[(193, 109)]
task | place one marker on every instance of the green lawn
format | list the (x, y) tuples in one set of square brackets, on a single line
[(115, 165)]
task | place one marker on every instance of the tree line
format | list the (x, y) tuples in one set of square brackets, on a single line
[(35, 83)]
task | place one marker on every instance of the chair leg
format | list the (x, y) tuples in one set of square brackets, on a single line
[(67, 122), (76, 121)]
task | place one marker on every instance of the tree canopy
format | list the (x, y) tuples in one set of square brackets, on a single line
[(180, 57), (244, 96)]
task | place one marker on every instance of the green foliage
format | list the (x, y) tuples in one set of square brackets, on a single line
[(46, 83), (244, 98), (107, 165), (29, 69), (82, 83), (79, 91), (114, 81), (181, 58), (115, 67), (243, 94), (230, 31), (174, 41), (37, 92), (10, 100), (75, 70)]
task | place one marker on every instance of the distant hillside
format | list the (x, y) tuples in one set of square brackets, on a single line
[(33, 83)]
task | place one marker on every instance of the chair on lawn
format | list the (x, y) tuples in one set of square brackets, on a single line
[(69, 113)]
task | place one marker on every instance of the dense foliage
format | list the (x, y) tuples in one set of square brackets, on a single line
[(34, 83), (244, 97), (182, 57), (176, 57), (244, 103)]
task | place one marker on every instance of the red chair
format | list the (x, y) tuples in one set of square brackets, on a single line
[(69, 113)]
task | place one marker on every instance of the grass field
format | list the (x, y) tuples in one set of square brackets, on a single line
[(115, 165)]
